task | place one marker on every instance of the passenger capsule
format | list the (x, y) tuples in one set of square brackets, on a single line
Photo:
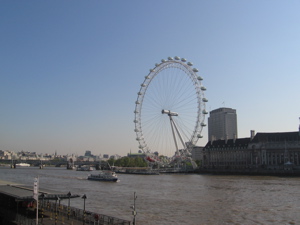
[(147, 77), (203, 124), (152, 70), (203, 88), (204, 111), (195, 70), (143, 85), (190, 64), (177, 58), (135, 121), (135, 111), (137, 102), (199, 78), (136, 130), (183, 59), (156, 64), (140, 93), (170, 58), (204, 100), (199, 136), (163, 60)]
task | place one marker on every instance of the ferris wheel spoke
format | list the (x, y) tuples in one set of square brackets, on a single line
[(169, 108)]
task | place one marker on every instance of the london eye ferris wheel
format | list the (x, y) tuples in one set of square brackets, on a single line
[(170, 109)]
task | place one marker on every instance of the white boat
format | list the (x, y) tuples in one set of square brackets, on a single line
[(104, 176), (22, 165), (85, 168)]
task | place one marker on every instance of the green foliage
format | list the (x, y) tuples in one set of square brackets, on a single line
[(128, 162), (188, 164), (111, 161), (198, 162)]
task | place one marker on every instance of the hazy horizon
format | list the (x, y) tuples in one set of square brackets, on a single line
[(71, 70)]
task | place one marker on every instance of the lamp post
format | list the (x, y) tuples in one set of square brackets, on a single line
[(133, 207), (57, 198), (17, 210), (43, 196), (84, 197), (69, 195)]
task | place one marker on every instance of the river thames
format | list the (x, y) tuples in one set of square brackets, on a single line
[(175, 198)]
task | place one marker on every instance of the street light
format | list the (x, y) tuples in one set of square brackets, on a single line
[(133, 207), (69, 195), (84, 197), (17, 210), (43, 196), (57, 198)]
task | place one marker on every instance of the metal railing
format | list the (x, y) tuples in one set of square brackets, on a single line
[(53, 213), (59, 212)]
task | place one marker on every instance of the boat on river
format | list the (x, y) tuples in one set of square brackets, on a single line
[(85, 168), (22, 165), (138, 172), (104, 176)]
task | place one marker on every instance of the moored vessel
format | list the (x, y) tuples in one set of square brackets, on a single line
[(85, 168), (104, 176), (138, 171), (22, 165)]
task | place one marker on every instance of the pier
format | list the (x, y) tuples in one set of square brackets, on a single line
[(18, 207)]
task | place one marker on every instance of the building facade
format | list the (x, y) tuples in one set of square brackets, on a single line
[(263, 151), (222, 124), (197, 153)]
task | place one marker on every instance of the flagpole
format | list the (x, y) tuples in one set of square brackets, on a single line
[(36, 197), (37, 211)]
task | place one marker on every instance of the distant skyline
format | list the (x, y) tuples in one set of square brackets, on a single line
[(70, 70)]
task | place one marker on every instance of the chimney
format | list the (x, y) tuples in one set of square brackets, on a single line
[(212, 139), (252, 134), (234, 138)]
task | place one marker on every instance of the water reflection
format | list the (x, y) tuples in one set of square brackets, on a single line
[(176, 199)]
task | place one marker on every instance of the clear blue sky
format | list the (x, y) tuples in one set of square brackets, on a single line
[(70, 70)]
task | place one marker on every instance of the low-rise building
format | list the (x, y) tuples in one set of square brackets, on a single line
[(269, 151), (197, 153)]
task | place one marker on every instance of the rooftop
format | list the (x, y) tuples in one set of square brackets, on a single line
[(20, 192)]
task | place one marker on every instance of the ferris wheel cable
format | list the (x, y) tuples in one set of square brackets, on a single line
[(156, 128), (159, 141), (180, 94), (165, 82), (178, 133), (183, 102), (158, 121), (170, 99), (154, 133), (174, 136), (184, 133), (158, 108)]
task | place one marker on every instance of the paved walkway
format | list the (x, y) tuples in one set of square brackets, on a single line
[(49, 218)]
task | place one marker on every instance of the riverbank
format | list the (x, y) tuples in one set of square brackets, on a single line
[(252, 172), (17, 206)]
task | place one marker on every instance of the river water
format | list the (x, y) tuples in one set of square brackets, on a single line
[(175, 198)]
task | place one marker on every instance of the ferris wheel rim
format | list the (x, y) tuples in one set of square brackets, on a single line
[(199, 90)]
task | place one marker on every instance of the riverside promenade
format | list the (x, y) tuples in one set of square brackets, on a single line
[(52, 214), (18, 207)]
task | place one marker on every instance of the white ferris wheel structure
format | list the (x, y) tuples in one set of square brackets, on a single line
[(170, 109)]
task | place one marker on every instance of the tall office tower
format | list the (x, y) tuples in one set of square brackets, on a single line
[(222, 124)]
